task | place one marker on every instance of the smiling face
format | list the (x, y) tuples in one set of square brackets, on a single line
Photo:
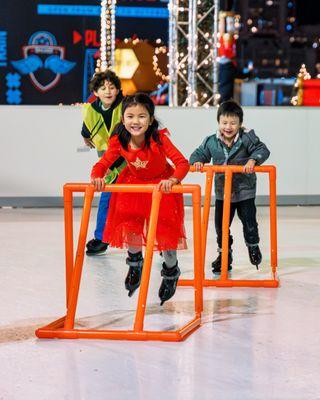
[(136, 120), (229, 126), (107, 93)]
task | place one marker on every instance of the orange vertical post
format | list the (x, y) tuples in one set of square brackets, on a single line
[(198, 242), (68, 236), (76, 277), (206, 211), (273, 222), (225, 224), (145, 279)]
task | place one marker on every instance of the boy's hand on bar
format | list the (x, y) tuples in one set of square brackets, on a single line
[(249, 167), (198, 166)]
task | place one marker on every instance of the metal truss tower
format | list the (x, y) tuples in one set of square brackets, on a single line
[(193, 52)]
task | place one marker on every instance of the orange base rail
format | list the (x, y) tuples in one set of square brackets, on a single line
[(263, 283), (56, 330), (63, 328), (224, 280)]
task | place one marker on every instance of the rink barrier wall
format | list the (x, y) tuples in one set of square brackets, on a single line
[(41, 149)]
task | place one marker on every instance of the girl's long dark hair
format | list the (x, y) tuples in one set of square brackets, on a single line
[(152, 131)]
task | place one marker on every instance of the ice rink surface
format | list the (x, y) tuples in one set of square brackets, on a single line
[(254, 344)]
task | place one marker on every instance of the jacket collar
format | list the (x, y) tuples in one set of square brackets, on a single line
[(221, 138), (96, 104)]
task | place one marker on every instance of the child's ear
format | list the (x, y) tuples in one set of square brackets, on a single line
[(151, 120), (95, 93), (122, 120)]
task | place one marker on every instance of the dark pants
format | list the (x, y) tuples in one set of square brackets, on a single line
[(246, 210)]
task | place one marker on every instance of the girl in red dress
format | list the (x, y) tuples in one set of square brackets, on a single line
[(146, 150)]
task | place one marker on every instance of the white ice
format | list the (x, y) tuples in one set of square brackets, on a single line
[(253, 344)]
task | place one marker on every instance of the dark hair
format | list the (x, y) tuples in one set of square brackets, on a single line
[(99, 78), (152, 131), (230, 108)]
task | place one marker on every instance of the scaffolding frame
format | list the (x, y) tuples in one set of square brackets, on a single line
[(193, 52)]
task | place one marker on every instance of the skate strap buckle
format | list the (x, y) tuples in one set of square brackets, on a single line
[(134, 264), (171, 277)]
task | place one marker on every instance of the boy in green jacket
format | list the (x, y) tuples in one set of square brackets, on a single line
[(233, 145), (99, 120)]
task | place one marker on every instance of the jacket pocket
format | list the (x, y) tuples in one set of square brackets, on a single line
[(244, 182)]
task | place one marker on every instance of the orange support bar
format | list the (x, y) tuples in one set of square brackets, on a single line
[(197, 243), (68, 237), (64, 327), (77, 271), (225, 224), (146, 271), (273, 222), (206, 210), (224, 280)]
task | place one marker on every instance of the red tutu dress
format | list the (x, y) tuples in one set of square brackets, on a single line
[(129, 213)]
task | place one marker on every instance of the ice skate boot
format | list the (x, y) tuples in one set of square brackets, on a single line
[(170, 277), (216, 265), (255, 255), (133, 278), (95, 247)]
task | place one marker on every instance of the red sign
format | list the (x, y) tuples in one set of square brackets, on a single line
[(90, 38)]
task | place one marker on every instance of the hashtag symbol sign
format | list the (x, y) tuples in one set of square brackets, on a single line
[(13, 80), (13, 96)]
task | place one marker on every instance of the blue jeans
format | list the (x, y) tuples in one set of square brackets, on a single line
[(102, 214), (103, 209)]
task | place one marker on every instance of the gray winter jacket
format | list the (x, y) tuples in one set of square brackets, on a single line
[(247, 146)]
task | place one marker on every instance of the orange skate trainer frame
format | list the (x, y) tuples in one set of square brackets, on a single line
[(224, 281), (63, 328)]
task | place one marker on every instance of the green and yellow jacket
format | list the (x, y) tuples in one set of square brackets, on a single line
[(98, 125)]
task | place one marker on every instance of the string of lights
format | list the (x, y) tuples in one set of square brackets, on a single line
[(157, 70), (303, 75), (107, 35)]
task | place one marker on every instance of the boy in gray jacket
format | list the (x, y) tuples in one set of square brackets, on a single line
[(233, 145)]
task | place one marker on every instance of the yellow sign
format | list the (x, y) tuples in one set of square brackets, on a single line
[(126, 63)]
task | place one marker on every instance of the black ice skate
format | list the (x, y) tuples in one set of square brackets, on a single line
[(169, 282), (96, 247), (255, 255), (216, 265), (133, 278)]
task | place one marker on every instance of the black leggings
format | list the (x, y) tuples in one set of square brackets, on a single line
[(246, 210)]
